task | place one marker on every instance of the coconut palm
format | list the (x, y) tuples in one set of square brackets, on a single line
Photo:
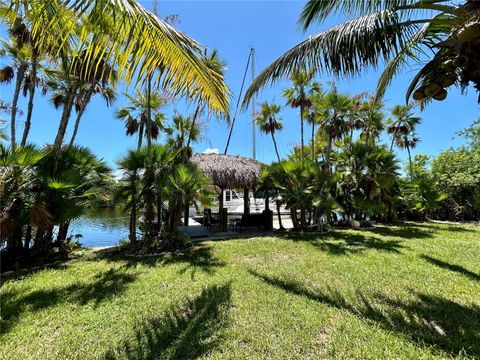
[(299, 96), (395, 32), (136, 40), (269, 122), (136, 116)]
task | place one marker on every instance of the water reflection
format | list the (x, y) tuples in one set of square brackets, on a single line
[(101, 227)]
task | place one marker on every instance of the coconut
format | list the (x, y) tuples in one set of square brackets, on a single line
[(432, 89), (460, 61), (448, 80), (469, 32), (441, 95), (419, 94)]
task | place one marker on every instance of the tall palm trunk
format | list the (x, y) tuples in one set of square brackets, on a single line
[(31, 91), (194, 119), (140, 134), (149, 112), (301, 134), (62, 127), (132, 230), (410, 164), (313, 140), (16, 94), (80, 113), (275, 145)]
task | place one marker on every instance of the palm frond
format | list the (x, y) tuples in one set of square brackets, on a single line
[(137, 42), (319, 10), (346, 49)]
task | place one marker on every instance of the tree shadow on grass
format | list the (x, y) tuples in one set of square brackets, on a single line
[(406, 232), (198, 257), (187, 332), (452, 267), (104, 286), (447, 326), (341, 243)]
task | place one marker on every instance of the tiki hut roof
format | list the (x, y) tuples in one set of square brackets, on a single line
[(228, 171)]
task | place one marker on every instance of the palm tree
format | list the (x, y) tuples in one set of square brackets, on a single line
[(183, 130), (402, 130), (136, 40), (20, 54), (394, 32), (129, 187), (217, 66), (312, 117), (371, 121), (333, 117), (408, 140), (299, 96), (268, 121), (136, 116), (84, 97), (404, 121)]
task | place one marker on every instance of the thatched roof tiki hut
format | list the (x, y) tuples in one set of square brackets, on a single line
[(230, 172)]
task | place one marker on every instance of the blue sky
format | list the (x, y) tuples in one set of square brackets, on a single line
[(232, 27)]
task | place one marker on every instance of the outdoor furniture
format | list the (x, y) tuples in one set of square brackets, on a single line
[(263, 220), (210, 220)]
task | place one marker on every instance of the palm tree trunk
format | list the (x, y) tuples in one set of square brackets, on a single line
[(410, 164), (313, 140), (149, 112), (16, 93), (194, 119), (275, 145), (133, 224), (62, 127), (301, 134), (79, 116), (279, 215), (31, 90), (159, 217), (140, 134), (393, 140)]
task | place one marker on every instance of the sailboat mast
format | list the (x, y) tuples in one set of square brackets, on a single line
[(254, 140)]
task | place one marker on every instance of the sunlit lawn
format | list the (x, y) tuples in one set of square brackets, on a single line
[(397, 292)]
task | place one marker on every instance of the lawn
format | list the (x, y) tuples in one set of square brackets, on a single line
[(407, 292)]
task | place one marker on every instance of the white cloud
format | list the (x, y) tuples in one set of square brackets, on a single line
[(211, 151)]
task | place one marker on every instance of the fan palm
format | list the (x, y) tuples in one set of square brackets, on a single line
[(269, 122), (395, 32), (299, 96), (402, 130), (84, 97), (136, 116), (333, 117), (136, 40)]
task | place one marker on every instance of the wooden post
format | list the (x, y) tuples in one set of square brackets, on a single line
[(246, 201)]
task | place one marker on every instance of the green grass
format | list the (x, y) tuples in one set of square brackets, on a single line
[(408, 292)]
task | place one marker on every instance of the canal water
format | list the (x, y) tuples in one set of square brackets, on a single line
[(101, 227)]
